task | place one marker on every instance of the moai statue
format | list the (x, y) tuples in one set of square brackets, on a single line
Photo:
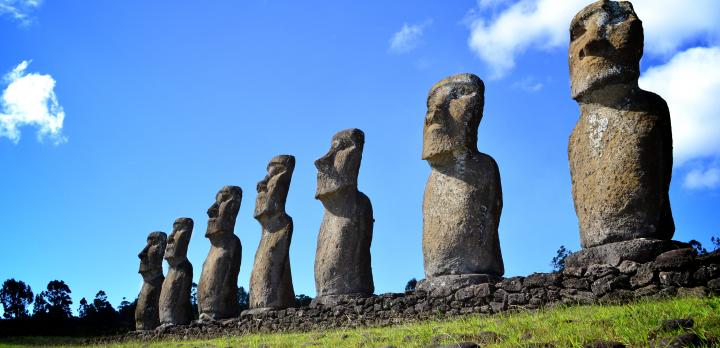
[(620, 151), (217, 290), (175, 305), (271, 284), (147, 315), (463, 196), (342, 259)]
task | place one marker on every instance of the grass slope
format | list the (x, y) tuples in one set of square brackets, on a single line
[(562, 326)]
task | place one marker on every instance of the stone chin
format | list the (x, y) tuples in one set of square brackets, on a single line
[(328, 185), (261, 205), (214, 227), (437, 147)]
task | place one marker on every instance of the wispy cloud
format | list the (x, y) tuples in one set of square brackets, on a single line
[(543, 25), (408, 38), (29, 100), (703, 179), (20, 10), (529, 84)]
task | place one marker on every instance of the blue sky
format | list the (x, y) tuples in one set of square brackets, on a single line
[(118, 117)]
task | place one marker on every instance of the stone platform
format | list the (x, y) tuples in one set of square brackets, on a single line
[(678, 272)]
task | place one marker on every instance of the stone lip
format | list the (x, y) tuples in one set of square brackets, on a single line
[(638, 250)]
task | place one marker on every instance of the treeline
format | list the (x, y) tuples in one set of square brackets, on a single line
[(52, 315)]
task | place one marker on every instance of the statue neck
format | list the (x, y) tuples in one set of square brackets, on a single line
[(341, 201)]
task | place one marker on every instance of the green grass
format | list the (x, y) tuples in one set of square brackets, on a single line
[(562, 326)]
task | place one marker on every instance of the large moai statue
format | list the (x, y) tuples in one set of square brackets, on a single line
[(217, 290), (147, 316), (342, 259), (175, 305), (463, 196), (271, 284), (620, 151)]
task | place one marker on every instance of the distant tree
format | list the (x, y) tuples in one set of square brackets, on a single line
[(716, 243), (58, 299), (193, 300), (558, 262), (243, 298), (15, 297), (85, 310), (698, 247), (102, 305), (40, 308), (126, 313), (411, 284), (302, 300)]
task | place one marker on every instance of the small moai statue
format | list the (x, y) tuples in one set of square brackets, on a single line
[(342, 258), (175, 305), (463, 196), (620, 151), (271, 284), (147, 316), (217, 290)]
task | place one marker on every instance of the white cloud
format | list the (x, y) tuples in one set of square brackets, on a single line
[(690, 83), (19, 10), (528, 84), (30, 100), (408, 38), (543, 24), (703, 179)]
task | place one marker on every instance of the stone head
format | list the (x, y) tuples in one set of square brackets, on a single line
[(152, 255), (606, 44), (177, 244), (273, 189), (454, 110), (223, 212), (339, 168)]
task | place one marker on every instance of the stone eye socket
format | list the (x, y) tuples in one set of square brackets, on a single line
[(576, 32)]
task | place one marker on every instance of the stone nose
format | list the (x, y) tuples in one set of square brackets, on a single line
[(324, 162), (597, 47), (213, 210), (262, 184), (143, 254)]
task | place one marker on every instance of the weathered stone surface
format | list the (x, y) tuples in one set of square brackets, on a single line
[(175, 305), (217, 289), (643, 276), (620, 151), (463, 195), (637, 250), (147, 316), (628, 267), (444, 285), (271, 280), (675, 259), (342, 259)]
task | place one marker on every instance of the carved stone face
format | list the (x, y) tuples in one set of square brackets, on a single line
[(178, 241), (455, 107), (339, 168), (273, 189), (151, 256), (223, 212), (606, 44)]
